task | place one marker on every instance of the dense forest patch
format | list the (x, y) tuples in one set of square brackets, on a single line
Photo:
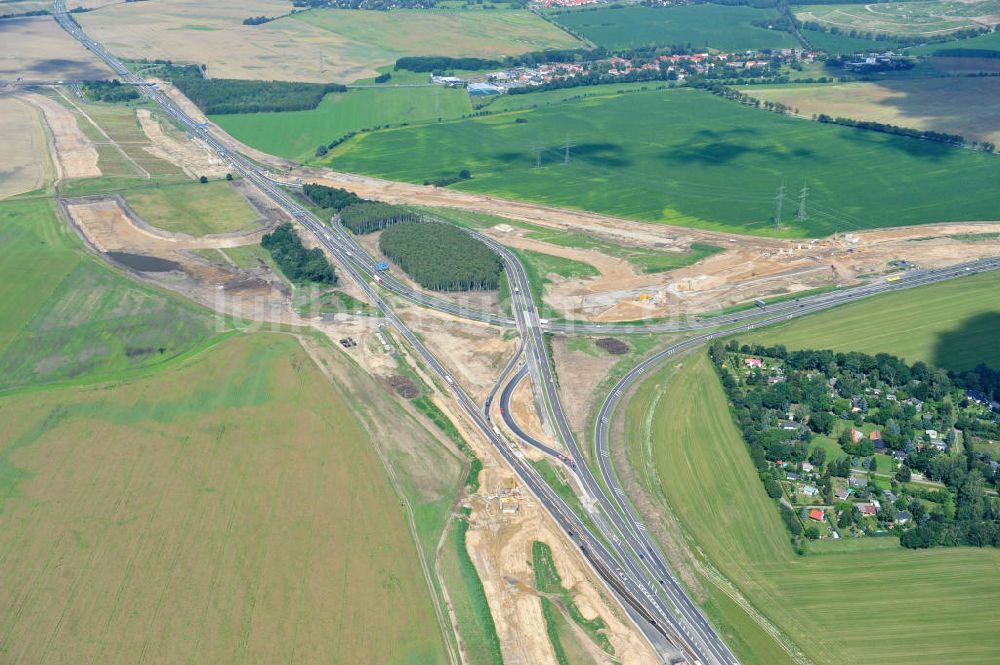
[(441, 257)]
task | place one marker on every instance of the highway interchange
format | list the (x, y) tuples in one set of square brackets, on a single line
[(621, 551)]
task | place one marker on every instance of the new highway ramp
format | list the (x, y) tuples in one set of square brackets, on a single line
[(620, 551)]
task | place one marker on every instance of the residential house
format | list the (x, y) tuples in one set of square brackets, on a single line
[(753, 362), (977, 396), (857, 481), (807, 467), (876, 438), (789, 425), (809, 490), (771, 380), (903, 517), (889, 496), (867, 509), (842, 493), (856, 435), (816, 514), (792, 476), (899, 455)]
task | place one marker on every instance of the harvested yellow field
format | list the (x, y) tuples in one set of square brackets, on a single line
[(37, 49), (965, 106), (22, 143), (353, 43), (228, 510)]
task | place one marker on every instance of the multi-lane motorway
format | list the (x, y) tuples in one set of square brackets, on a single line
[(650, 615), (621, 552)]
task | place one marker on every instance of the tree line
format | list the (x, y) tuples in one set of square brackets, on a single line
[(371, 216), (440, 63), (299, 264), (217, 96), (110, 91), (442, 257), (895, 130)]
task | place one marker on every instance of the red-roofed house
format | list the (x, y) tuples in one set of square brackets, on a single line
[(816, 514), (867, 509), (856, 435), (753, 362)]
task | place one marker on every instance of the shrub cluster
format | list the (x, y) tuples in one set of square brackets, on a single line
[(109, 91), (442, 257), (330, 197), (370, 216), (298, 263)]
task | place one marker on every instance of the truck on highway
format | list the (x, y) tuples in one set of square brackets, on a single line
[(760, 303), (381, 266), (893, 278)]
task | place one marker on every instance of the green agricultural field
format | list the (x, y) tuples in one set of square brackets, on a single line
[(918, 608), (718, 27), (685, 157), (194, 208), (296, 134), (65, 316), (953, 105), (952, 324), (928, 19), (230, 509)]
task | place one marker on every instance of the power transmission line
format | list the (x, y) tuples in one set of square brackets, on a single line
[(566, 146), (537, 148), (802, 215), (779, 201)]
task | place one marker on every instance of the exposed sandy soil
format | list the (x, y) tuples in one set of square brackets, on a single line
[(500, 546), (23, 146), (75, 154), (522, 406), (257, 294), (37, 49), (578, 373), (474, 353), (193, 157)]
